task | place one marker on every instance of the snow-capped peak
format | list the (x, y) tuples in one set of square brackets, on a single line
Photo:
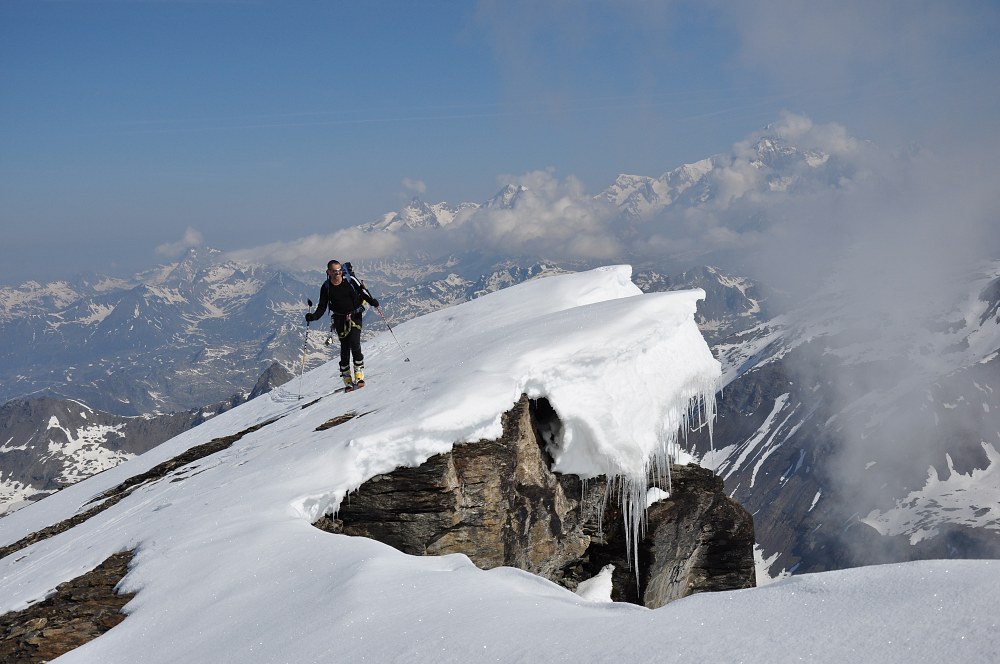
[(506, 198), (417, 214)]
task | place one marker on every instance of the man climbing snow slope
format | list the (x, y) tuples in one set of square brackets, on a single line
[(346, 302)]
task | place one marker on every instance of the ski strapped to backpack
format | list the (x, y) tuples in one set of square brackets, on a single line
[(360, 287)]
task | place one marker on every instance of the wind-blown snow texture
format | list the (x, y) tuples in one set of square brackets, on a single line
[(229, 569)]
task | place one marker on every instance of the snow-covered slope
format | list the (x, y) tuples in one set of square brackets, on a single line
[(229, 569), (805, 392), (469, 364)]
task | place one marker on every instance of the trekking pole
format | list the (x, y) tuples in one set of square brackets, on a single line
[(350, 271), (379, 310), (305, 349)]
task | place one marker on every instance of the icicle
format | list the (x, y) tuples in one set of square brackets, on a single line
[(632, 488)]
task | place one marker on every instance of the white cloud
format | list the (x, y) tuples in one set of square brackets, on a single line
[(550, 217), (799, 130), (191, 238), (556, 218), (792, 218), (415, 186), (313, 251), (736, 180)]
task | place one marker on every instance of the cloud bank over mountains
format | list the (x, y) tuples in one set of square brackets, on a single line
[(453, 97), (191, 239), (792, 203)]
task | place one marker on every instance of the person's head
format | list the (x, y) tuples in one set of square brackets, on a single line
[(335, 271)]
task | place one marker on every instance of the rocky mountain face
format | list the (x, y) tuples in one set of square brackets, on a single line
[(640, 197), (52, 443), (858, 445), (766, 164), (731, 306), (418, 214)]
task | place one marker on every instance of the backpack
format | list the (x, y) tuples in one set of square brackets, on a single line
[(359, 286)]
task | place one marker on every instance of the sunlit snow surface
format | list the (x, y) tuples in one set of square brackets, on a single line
[(229, 569)]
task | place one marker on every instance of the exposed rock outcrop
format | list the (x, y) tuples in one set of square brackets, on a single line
[(77, 612), (698, 540), (498, 503)]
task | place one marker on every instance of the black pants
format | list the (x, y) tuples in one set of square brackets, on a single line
[(351, 345)]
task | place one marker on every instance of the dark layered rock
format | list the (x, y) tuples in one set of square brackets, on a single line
[(498, 503), (494, 501), (76, 613), (698, 540)]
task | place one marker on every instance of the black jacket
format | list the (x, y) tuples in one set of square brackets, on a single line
[(344, 300)]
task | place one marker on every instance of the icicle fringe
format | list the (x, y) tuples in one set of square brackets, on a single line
[(630, 489)]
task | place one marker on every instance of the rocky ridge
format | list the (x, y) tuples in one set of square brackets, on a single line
[(498, 503), (495, 501)]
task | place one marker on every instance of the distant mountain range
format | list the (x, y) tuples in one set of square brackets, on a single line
[(174, 338), (53, 443), (847, 444)]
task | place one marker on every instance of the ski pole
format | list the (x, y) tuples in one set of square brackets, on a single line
[(305, 349), (379, 310), (350, 271)]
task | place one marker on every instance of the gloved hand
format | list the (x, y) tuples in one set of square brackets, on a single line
[(309, 318), (374, 302)]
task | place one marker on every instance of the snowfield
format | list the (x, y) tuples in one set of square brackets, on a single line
[(228, 567)]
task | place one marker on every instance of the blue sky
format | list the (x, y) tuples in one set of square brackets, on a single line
[(123, 124)]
